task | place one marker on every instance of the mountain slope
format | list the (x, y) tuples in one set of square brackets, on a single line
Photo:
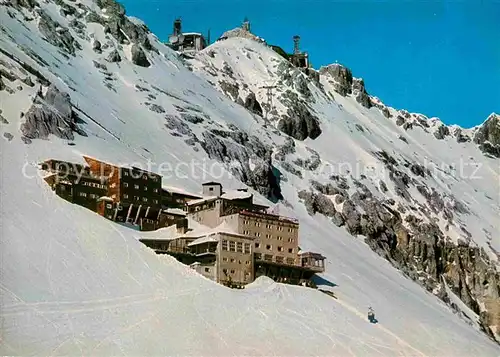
[(72, 282)]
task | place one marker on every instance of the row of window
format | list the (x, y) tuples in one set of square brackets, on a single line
[(125, 184), (268, 226), (232, 260), (144, 177), (239, 247), (137, 198), (278, 259), (93, 184), (90, 195), (270, 247)]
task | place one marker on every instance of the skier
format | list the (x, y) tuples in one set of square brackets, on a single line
[(371, 315)]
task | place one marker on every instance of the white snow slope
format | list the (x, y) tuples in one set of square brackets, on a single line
[(73, 283)]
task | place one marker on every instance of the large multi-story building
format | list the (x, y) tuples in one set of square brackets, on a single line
[(75, 183), (135, 193)]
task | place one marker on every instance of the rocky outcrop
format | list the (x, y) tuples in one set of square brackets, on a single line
[(139, 57), (113, 56), (51, 114), (57, 35), (298, 122), (97, 47), (359, 91), (488, 136), (342, 78), (252, 104), (441, 132), (246, 157)]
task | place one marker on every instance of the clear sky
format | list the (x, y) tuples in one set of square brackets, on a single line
[(438, 58)]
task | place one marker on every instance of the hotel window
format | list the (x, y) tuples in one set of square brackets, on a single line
[(144, 177), (232, 271), (136, 198), (145, 199), (125, 196), (136, 187), (83, 194), (268, 257), (290, 250), (232, 246), (239, 247), (247, 248), (290, 261), (109, 206), (279, 259), (257, 245), (156, 202), (257, 234), (280, 249), (232, 260), (269, 247), (224, 259), (155, 190), (258, 256), (247, 262), (125, 184), (268, 236), (207, 270), (145, 188), (280, 238), (224, 245), (290, 240), (125, 173)]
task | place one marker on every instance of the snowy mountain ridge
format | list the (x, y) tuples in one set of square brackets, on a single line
[(130, 99)]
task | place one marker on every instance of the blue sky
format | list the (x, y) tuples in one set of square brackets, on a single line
[(437, 58)]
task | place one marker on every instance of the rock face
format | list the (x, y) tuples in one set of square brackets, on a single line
[(57, 35), (298, 122), (252, 104), (488, 136), (96, 46), (113, 56), (418, 249), (362, 97), (248, 159), (139, 57), (442, 132), (52, 114), (342, 77)]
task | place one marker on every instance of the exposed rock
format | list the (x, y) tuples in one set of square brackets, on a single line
[(97, 46), (311, 163), (114, 56), (287, 148), (342, 76), (192, 118), (488, 135), (461, 138), (362, 97), (2, 84), (291, 169), (57, 35), (252, 104), (441, 132), (156, 108), (8, 136), (139, 57), (99, 65), (402, 138), (52, 114), (231, 90), (298, 122), (249, 162), (317, 203), (400, 120)]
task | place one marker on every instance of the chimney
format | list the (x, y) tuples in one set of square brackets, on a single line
[(246, 25), (182, 226)]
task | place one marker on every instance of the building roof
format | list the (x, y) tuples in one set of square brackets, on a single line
[(236, 195), (202, 200), (211, 238), (105, 198), (175, 211), (180, 191), (210, 183)]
